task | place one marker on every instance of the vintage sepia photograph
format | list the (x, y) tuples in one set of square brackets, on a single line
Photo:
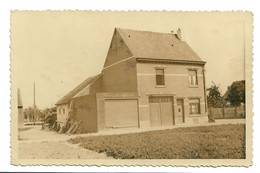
[(131, 88)]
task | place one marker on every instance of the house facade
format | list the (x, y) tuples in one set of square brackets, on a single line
[(62, 112), (149, 79)]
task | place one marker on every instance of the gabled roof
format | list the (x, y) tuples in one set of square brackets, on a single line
[(86, 90), (67, 98), (145, 44)]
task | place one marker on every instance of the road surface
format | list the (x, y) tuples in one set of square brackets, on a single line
[(35, 143)]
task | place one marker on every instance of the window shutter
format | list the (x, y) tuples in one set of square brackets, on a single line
[(194, 80)]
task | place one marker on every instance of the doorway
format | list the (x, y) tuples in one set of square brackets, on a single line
[(161, 110), (179, 119)]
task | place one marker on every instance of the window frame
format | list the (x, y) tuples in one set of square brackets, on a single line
[(198, 112), (191, 78), (162, 77)]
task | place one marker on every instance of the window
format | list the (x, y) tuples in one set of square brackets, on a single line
[(193, 77), (194, 106), (60, 110), (63, 111), (160, 77)]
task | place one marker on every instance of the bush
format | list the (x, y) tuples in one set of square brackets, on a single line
[(51, 118)]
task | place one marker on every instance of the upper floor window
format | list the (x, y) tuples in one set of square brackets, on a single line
[(60, 111), (193, 80), (160, 77), (63, 111)]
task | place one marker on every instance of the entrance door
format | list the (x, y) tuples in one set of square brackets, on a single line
[(180, 114), (161, 112)]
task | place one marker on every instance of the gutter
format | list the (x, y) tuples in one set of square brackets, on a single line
[(170, 61)]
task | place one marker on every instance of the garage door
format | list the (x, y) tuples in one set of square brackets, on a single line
[(161, 112), (121, 113)]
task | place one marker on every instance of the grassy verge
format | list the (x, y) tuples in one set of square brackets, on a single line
[(211, 142)]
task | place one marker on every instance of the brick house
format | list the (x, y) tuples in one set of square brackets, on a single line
[(149, 79)]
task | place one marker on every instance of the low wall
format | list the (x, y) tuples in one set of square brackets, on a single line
[(196, 120), (228, 112)]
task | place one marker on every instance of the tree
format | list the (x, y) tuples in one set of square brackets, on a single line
[(29, 114), (214, 96), (236, 94), (214, 99), (50, 116)]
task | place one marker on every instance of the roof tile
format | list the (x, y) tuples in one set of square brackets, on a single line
[(146, 44), (67, 98)]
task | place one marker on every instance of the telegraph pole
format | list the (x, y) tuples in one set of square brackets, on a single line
[(244, 61), (20, 109), (34, 107)]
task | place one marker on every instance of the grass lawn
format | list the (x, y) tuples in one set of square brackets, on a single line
[(209, 142)]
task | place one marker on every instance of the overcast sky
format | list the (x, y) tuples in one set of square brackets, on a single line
[(58, 50)]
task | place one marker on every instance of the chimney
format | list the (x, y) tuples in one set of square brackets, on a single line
[(179, 33)]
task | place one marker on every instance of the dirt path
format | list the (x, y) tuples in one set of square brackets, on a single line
[(35, 133), (56, 150), (35, 143)]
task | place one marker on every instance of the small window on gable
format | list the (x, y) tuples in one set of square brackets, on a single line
[(122, 42), (60, 111), (193, 80), (63, 111), (160, 77)]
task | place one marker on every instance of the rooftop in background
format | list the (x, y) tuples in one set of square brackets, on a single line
[(76, 90)]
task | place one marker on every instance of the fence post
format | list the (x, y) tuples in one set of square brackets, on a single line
[(244, 110), (209, 113), (236, 111), (223, 111)]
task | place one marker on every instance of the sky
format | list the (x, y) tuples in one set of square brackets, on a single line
[(59, 49)]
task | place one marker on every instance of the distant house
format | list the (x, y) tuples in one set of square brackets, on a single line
[(149, 79)]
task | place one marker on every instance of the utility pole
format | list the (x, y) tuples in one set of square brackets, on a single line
[(244, 60), (20, 109), (34, 107)]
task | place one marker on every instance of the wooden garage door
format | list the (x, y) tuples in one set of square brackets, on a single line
[(161, 112), (121, 113)]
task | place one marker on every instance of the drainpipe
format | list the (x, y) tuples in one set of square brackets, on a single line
[(204, 85)]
